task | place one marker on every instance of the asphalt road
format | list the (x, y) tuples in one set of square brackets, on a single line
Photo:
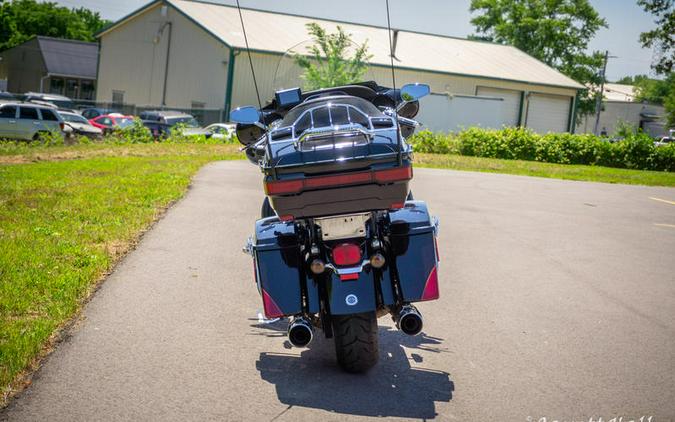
[(558, 301)]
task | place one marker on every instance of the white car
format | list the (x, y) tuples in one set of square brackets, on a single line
[(78, 125), (221, 130), (29, 121)]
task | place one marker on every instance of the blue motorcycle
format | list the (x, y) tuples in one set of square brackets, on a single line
[(341, 241)]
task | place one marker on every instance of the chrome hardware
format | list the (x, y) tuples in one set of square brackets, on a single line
[(409, 320), (248, 248)]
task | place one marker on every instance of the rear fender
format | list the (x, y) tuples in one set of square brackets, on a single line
[(351, 296)]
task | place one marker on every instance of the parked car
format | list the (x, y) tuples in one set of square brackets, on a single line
[(173, 118), (80, 125), (158, 130), (6, 97), (59, 101), (223, 131), (670, 138), (28, 121), (94, 112), (110, 122)]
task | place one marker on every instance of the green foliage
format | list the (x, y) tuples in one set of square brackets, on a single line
[(21, 20), (555, 32), (327, 64), (137, 133), (663, 36), (636, 151)]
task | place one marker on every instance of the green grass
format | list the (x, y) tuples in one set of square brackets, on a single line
[(63, 225), (556, 171)]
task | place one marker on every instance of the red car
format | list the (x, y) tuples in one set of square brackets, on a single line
[(110, 122)]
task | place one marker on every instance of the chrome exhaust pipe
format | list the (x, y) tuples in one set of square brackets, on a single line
[(409, 320), (300, 332)]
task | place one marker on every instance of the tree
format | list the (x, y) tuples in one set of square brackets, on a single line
[(662, 38), (557, 32), (327, 64), (21, 20)]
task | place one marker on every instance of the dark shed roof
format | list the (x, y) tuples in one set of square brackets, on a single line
[(69, 57)]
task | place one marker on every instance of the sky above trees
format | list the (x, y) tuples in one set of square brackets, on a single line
[(625, 18)]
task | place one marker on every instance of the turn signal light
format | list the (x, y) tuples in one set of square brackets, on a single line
[(317, 266), (377, 260), (347, 254)]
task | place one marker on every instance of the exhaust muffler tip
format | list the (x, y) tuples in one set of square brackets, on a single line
[(409, 320), (300, 332)]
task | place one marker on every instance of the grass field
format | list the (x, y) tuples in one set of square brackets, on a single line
[(67, 213), (64, 223), (555, 171)]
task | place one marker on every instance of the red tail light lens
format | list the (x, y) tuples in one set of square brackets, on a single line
[(290, 187), (62, 125), (283, 187), (393, 175), (347, 254)]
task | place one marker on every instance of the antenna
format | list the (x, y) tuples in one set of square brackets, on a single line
[(399, 141), (250, 61), (391, 52)]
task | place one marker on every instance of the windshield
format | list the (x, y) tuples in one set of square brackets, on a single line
[(74, 118), (187, 121)]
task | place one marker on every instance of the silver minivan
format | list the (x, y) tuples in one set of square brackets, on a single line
[(28, 121)]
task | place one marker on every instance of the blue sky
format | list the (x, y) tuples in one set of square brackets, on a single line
[(448, 17)]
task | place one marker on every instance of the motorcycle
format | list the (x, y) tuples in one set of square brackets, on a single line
[(341, 241)]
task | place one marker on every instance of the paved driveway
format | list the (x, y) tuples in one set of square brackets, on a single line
[(558, 301)]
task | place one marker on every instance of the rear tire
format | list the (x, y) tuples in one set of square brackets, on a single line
[(356, 341)]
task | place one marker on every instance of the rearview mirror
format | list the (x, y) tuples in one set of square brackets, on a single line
[(247, 115), (413, 92)]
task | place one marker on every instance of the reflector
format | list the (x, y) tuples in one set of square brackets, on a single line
[(271, 309)]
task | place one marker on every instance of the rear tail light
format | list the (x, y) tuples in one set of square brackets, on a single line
[(290, 187), (394, 175), (346, 254), (62, 125)]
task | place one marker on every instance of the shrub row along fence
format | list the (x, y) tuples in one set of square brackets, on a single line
[(635, 151)]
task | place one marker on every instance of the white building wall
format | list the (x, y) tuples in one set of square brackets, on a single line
[(133, 60), (614, 113)]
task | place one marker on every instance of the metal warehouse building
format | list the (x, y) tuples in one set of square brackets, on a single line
[(191, 54)]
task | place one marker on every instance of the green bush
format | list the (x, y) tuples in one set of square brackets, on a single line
[(635, 151)]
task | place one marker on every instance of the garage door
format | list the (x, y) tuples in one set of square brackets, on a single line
[(510, 106), (548, 113)]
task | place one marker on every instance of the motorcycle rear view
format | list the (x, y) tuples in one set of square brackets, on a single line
[(340, 241), (341, 244)]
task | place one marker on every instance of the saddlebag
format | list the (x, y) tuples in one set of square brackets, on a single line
[(413, 244), (278, 266)]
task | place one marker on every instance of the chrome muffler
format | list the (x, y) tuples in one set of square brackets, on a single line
[(300, 332), (409, 320)]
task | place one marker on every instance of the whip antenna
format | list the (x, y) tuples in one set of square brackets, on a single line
[(393, 81), (250, 60), (391, 53)]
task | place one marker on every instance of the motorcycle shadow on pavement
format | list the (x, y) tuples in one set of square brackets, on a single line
[(393, 388)]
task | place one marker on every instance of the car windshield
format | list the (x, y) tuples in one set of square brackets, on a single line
[(187, 121), (124, 122), (74, 118)]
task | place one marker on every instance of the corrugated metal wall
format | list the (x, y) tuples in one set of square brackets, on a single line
[(133, 59)]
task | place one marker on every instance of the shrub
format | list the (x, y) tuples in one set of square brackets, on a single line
[(635, 151)]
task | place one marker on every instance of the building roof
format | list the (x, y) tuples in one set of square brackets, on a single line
[(69, 57), (275, 33), (619, 92)]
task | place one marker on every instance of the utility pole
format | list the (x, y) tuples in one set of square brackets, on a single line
[(598, 100)]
